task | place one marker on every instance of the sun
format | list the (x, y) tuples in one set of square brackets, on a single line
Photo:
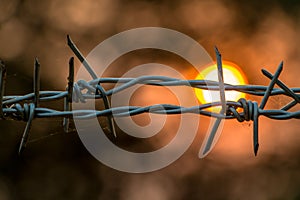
[(232, 74)]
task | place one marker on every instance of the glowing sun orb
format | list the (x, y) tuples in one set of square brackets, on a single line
[(232, 75)]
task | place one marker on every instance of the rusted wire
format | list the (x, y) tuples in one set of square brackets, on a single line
[(26, 107)]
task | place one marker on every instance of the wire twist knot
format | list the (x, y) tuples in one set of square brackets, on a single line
[(249, 109), (22, 113)]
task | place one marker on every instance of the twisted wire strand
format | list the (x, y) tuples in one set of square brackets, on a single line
[(26, 107)]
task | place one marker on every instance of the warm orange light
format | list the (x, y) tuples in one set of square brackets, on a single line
[(232, 75)]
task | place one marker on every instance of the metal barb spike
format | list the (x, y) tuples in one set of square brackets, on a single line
[(255, 127), (25, 136), (68, 98), (212, 135), (285, 88), (2, 86), (221, 80), (36, 82), (271, 86), (262, 105), (106, 103), (81, 58)]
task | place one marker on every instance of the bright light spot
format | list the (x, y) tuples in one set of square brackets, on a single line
[(232, 75)]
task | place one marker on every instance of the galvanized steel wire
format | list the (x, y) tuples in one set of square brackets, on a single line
[(26, 107)]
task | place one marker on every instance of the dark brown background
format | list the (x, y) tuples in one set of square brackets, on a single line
[(253, 34)]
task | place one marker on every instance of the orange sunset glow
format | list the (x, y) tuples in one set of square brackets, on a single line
[(252, 35), (232, 75)]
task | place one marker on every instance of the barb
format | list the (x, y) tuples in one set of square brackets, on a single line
[(26, 107), (2, 84), (68, 98), (211, 137)]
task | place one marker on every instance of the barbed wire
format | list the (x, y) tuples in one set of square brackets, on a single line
[(26, 107)]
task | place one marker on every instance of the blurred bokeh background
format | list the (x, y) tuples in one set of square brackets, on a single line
[(253, 34)]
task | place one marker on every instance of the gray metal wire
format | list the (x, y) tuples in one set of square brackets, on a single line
[(26, 107)]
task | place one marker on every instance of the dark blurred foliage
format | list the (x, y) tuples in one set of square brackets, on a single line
[(253, 34)]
